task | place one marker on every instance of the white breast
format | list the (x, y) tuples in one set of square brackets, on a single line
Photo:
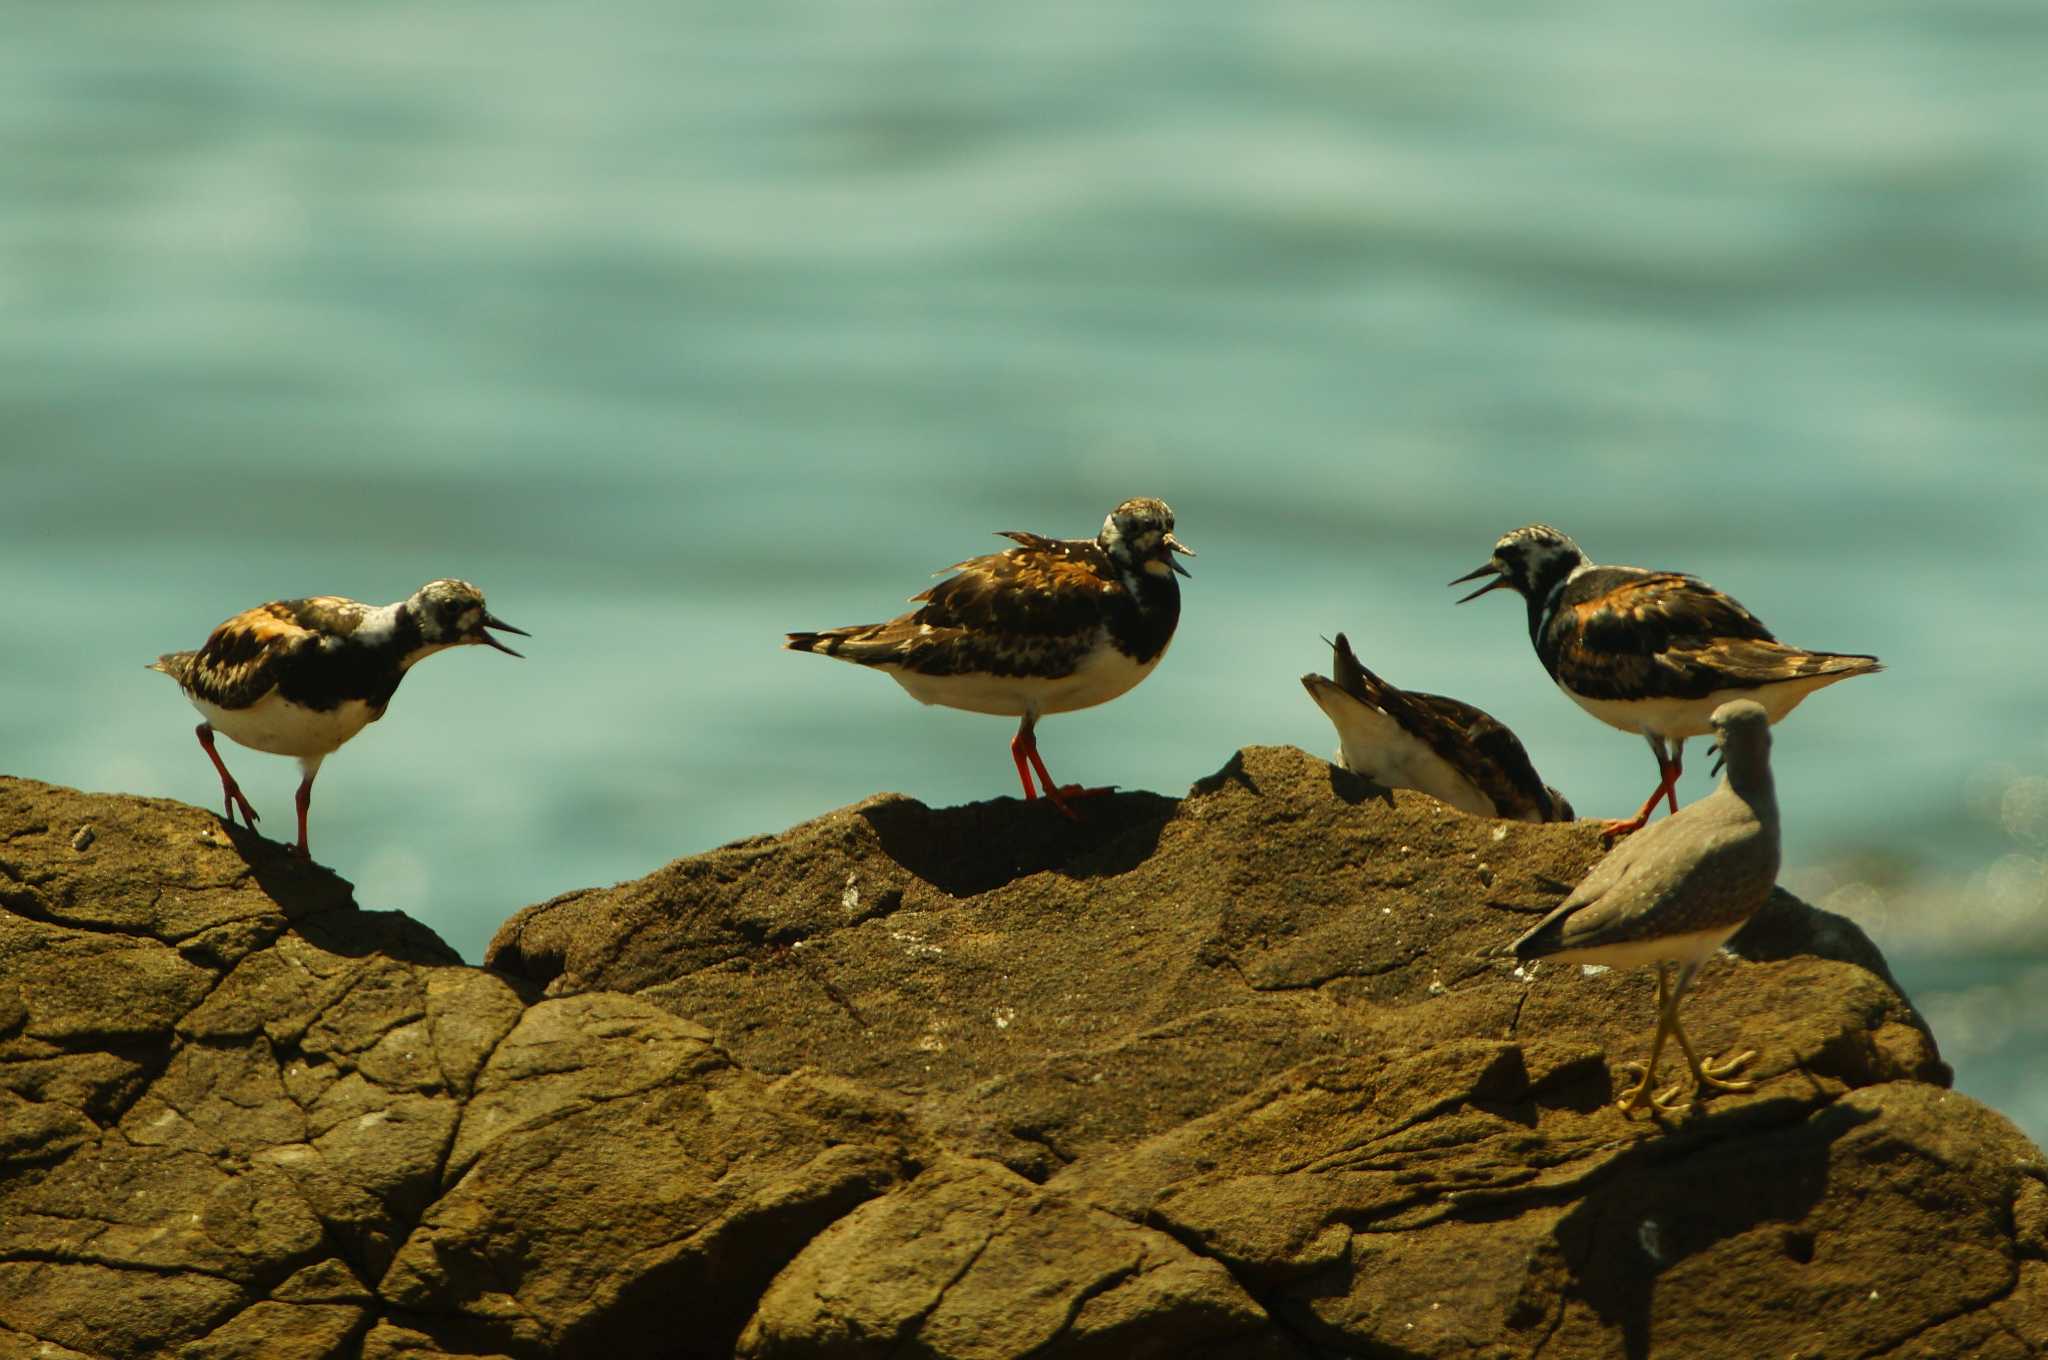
[(283, 728), (1680, 718), (1693, 947), (1104, 675), (1382, 750)]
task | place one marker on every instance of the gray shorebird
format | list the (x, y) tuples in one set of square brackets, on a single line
[(1405, 739), (1651, 652), (300, 677), (1050, 626), (1674, 893)]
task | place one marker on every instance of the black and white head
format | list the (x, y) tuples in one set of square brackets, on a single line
[(1530, 560), (452, 614), (1138, 536), (1742, 739)]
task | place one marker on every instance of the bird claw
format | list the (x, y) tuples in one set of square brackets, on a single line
[(1637, 1096), (1709, 1078), (1667, 1100), (1710, 1074), (1058, 800), (1059, 796), (235, 799), (1615, 830)]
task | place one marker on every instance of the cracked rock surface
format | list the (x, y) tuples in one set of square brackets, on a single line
[(1226, 1076)]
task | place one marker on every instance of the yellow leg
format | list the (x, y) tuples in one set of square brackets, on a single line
[(1708, 1076), (1639, 1095)]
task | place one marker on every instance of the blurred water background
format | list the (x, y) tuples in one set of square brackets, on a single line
[(678, 325)]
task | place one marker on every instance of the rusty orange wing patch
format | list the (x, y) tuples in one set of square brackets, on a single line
[(1655, 635), (1047, 588), (1034, 609), (242, 659), (1649, 612)]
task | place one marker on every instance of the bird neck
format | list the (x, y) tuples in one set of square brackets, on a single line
[(1147, 626), (1750, 780), (1151, 590), (1545, 596), (393, 632)]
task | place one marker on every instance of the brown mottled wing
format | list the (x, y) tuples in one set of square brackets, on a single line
[(1623, 633), (250, 654), (1493, 758), (1038, 606), (1470, 740)]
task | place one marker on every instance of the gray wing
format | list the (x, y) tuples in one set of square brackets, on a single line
[(1707, 865)]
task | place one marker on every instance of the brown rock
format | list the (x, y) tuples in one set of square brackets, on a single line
[(241, 1117), (972, 1260), (1229, 1076)]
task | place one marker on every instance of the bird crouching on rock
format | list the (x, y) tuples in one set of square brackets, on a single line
[(1651, 652), (1050, 626), (1405, 739), (1674, 893), (300, 677)]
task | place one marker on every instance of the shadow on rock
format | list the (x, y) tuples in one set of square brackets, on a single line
[(1680, 1197), (1356, 788), (1787, 928), (321, 906), (979, 847)]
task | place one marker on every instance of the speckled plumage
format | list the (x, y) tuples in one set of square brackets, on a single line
[(1049, 626), (301, 677), (1651, 652), (1444, 747), (291, 646), (1625, 633), (1674, 892)]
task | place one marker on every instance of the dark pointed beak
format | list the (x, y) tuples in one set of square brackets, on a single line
[(1496, 583), (1177, 546), (489, 641), (1720, 759)]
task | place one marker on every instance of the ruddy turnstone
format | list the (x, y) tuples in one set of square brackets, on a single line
[(1404, 739), (300, 677), (1654, 652), (1050, 626), (1674, 893)]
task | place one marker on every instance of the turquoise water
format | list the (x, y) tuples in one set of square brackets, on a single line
[(676, 326)]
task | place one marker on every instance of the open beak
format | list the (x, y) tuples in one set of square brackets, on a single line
[(1496, 583), (1177, 546), (489, 641), (1720, 759)]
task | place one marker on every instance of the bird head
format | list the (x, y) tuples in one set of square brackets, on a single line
[(1529, 560), (1138, 536), (1742, 735), (452, 614)]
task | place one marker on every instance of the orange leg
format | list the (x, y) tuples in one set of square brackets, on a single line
[(230, 790), (1024, 747), (1017, 748), (1669, 767), (305, 801)]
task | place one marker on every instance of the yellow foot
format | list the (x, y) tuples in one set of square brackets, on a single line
[(1709, 1074), (1667, 1099), (1638, 1095)]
